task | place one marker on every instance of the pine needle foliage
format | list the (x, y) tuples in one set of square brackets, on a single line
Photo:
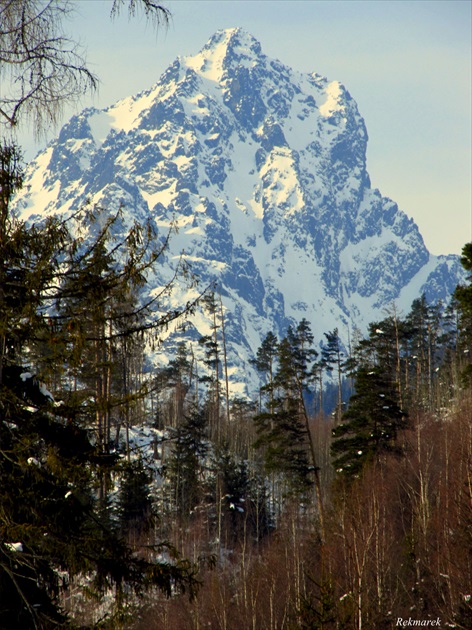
[(369, 426)]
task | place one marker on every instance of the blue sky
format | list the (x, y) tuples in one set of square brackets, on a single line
[(406, 63)]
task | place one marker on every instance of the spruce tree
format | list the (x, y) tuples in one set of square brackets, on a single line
[(184, 471), (233, 487), (386, 348), (135, 508)]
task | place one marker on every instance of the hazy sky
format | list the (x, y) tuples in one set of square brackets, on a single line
[(406, 63)]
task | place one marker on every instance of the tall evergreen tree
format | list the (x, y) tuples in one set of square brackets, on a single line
[(135, 510), (463, 295), (185, 465), (332, 357), (232, 495), (369, 426), (282, 426), (385, 348), (212, 360), (301, 341), (176, 379), (265, 364), (422, 331)]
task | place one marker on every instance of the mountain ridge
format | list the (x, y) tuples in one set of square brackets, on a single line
[(264, 170)]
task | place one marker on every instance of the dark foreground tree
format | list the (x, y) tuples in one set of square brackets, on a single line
[(135, 504), (51, 528)]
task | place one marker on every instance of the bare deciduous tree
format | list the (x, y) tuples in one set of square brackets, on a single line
[(41, 68)]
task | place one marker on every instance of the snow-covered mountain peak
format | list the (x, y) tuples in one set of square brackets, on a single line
[(225, 49), (264, 170)]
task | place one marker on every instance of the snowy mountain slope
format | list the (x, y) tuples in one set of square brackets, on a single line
[(264, 170)]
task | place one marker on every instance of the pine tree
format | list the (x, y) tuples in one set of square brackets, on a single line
[(177, 377), (369, 426), (213, 362), (283, 425), (463, 295), (332, 355), (301, 341), (422, 330), (282, 429), (385, 348), (265, 363)]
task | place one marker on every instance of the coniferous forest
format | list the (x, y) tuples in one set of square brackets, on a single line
[(150, 498)]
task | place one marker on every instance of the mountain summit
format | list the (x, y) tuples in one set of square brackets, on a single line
[(264, 170)]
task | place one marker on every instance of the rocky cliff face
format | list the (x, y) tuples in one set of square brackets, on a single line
[(264, 170)]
